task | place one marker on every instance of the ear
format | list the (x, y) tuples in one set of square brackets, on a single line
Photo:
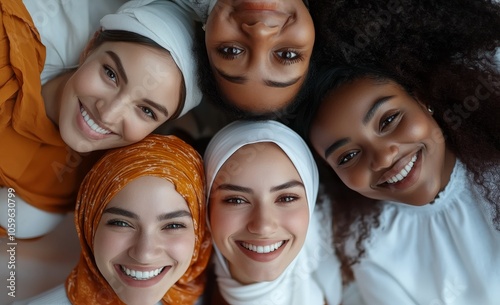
[(89, 47), (426, 107)]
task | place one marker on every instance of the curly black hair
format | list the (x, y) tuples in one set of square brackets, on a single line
[(441, 52)]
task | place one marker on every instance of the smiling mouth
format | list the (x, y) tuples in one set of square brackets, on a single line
[(141, 275), (404, 172), (92, 124), (263, 249)]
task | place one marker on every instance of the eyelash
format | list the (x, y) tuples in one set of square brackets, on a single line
[(152, 114), (384, 123), (108, 71), (288, 198), (347, 157), (118, 223), (387, 121), (226, 55), (174, 226), (286, 61), (233, 200), (282, 199), (124, 224), (278, 54)]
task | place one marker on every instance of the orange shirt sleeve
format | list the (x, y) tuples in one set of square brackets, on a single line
[(34, 160)]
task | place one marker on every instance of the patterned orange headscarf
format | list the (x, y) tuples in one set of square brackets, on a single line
[(166, 157)]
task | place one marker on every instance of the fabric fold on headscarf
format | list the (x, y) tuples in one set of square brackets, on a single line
[(166, 157), (168, 25), (299, 283)]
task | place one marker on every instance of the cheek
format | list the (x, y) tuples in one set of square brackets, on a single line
[(136, 129), (297, 222), (181, 247), (105, 247), (85, 81), (222, 225), (356, 178)]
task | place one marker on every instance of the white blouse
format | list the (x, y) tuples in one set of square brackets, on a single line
[(447, 252)]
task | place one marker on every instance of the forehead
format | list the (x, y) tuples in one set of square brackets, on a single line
[(356, 96), (254, 161)]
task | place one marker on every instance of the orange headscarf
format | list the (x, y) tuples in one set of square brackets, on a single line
[(166, 157)]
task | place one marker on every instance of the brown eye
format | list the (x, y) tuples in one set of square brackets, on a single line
[(388, 121), (347, 157), (288, 57), (229, 52)]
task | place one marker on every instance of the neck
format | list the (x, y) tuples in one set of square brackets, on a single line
[(52, 95)]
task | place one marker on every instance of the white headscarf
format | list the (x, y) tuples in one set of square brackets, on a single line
[(301, 282), (171, 27)]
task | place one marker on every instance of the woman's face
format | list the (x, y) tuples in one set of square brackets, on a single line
[(258, 212), (259, 51), (121, 93), (381, 142), (144, 240)]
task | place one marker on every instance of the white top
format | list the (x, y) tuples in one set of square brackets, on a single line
[(447, 252), (65, 28), (56, 296)]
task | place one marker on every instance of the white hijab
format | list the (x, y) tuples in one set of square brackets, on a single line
[(171, 27), (313, 277)]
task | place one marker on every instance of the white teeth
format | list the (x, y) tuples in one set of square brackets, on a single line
[(141, 275), (404, 172), (262, 249), (93, 125)]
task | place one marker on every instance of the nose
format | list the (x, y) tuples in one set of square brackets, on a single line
[(260, 29), (383, 156), (145, 248), (111, 111), (262, 221)]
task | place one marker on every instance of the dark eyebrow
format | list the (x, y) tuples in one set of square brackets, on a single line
[(371, 112), (175, 214), (119, 65), (330, 149), (269, 83), (286, 185), (275, 84), (232, 187), (157, 106), (232, 79), (123, 212)]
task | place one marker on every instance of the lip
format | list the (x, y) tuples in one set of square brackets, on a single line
[(410, 179), (141, 283), (85, 128), (256, 6), (262, 257)]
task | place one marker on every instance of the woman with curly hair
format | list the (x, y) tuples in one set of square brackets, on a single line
[(417, 205), (405, 112)]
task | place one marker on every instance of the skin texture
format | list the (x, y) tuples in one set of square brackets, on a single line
[(259, 51), (146, 226), (258, 206), (366, 153), (127, 104)]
